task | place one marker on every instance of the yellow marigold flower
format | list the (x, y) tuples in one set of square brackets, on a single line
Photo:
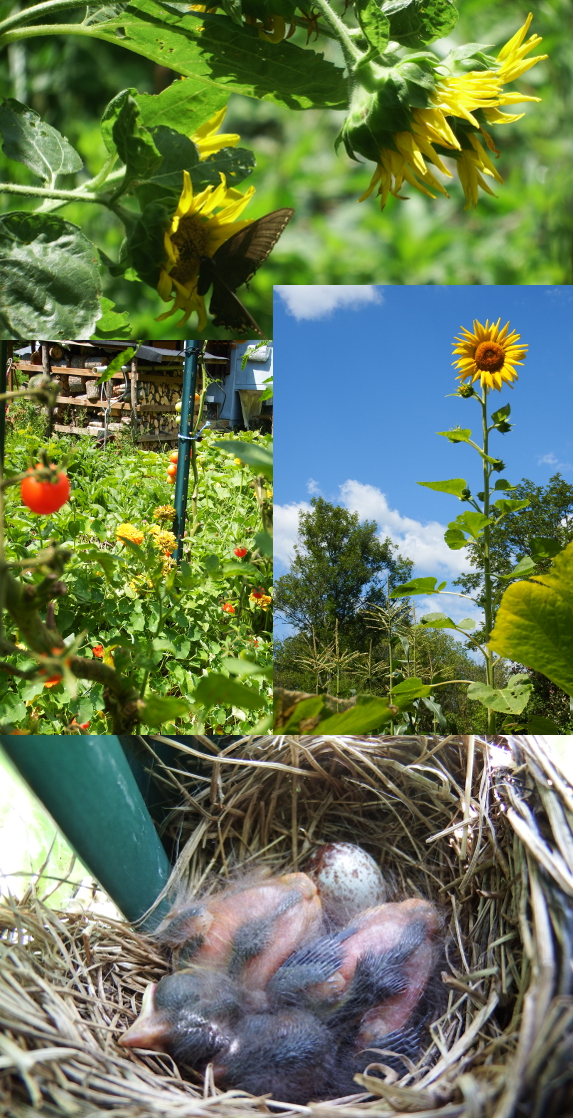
[(165, 540), (489, 354), (205, 140), (197, 231), (164, 512), (129, 532)]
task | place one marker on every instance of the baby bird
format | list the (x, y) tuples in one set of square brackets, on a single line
[(279, 1003)]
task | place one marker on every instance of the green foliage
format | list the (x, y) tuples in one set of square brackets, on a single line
[(37, 145), (534, 622), (336, 572), (49, 278), (162, 626)]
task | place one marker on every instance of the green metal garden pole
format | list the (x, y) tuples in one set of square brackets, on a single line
[(87, 786), (184, 443), (3, 364)]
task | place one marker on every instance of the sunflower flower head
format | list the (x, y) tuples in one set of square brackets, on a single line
[(200, 224), (407, 134), (488, 354)]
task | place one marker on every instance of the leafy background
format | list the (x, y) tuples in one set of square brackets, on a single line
[(525, 236)]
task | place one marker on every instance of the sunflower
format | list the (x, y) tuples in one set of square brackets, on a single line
[(489, 354), (196, 231), (449, 124), (205, 140)]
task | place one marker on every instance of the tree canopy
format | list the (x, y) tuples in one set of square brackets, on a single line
[(340, 566)]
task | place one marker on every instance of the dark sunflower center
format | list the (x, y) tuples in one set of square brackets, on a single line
[(192, 240), (489, 356)]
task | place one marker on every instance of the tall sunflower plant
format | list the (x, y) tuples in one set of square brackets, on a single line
[(487, 358), (419, 118)]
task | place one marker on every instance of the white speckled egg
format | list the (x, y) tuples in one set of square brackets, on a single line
[(347, 878)]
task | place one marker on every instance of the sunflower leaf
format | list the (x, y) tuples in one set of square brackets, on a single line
[(457, 434), (534, 622), (416, 586), (455, 485)]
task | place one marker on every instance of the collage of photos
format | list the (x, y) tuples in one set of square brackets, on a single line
[(286, 559)]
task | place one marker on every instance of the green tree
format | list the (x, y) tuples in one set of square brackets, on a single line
[(549, 514), (340, 566)]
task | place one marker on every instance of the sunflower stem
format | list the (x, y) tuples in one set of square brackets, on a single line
[(351, 53), (486, 554)]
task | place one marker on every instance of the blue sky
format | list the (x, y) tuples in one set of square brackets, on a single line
[(361, 382)]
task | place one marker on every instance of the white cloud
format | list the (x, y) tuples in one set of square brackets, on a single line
[(422, 543), (313, 487), (286, 530), (547, 459), (320, 300)]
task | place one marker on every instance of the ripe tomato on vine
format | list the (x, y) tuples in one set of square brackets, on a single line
[(45, 496)]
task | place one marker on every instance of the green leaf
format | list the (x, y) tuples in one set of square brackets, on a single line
[(185, 105), (213, 50), (158, 709), (537, 724), (501, 414), (523, 568), (509, 700), (404, 693), (456, 486), (436, 709), (534, 622), (544, 547), (112, 324), (307, 708), (374, 24), (211, 563), (49, 278), (417, 586), (437, 621), (420, 21), (457, 434), (216, 688), (247, 667), (501, 483), (455, 539), (37, 145), (180, 154), (259, 458), (506, 506), (145, 244), (263, 541), (134, 142), (368, 714), (115, 364), (236, 567), (471, 522)]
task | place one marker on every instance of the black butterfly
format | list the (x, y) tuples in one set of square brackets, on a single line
[(234, 263)]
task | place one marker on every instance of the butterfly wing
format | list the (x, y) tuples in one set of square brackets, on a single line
[(234, 262)]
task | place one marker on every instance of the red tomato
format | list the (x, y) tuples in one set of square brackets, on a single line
[(45, 496), (173, 456), (171, 470), (240, 552)]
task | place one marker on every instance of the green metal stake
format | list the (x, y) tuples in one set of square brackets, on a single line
[(3, 364), (88, 788), (184, 444)]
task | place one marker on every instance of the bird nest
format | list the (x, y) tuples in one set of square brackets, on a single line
[(486, 833)]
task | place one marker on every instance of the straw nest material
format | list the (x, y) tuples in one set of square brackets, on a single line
[(489, 837)]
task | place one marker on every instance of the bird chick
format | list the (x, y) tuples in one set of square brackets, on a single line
[(190, 1014), (249, 929)]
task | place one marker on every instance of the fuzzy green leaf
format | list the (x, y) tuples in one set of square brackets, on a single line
[(534, 622), (420, 21), (509, 700), (49, 278), (455, 485), (416, 586), (37, 145)]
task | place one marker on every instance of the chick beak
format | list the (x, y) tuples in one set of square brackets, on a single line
[(150, 1030)]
